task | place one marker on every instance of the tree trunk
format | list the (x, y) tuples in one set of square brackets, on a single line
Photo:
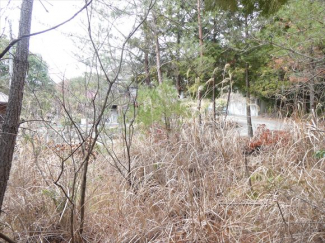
[(146, 53), (248, 106), (155, 30), (11, 121), (199, 101), (200, 27), (83, 193), (214, 38), (178, 78), (214, 97), (178, 41), (312, 96), (146, 67), (248, 95), (311, 85), (229, 93)]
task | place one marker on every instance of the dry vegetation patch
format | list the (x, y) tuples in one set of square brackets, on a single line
[(193, 186)]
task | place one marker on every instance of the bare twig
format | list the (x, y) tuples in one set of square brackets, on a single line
[(12, 43), (283, 219)]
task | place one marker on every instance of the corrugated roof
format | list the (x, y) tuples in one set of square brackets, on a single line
[(3, 98)]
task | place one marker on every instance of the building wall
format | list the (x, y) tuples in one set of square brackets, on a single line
[(239, 108), (237, 105)]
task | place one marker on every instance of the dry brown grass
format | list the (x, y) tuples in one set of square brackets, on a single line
[(192, 187)]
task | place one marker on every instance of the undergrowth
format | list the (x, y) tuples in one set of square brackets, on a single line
[(190, 186)]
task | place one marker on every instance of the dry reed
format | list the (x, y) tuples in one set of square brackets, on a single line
[(191, 187)]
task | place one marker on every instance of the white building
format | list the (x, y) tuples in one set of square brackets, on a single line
[(237, 105)]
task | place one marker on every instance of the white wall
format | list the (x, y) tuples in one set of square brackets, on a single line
[(237, 105)]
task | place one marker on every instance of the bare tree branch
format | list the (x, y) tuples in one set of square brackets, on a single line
[(12, 43)]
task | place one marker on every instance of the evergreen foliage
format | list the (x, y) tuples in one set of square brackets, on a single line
[(160, 106)]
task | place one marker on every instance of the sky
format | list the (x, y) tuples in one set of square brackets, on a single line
[(56, 48)]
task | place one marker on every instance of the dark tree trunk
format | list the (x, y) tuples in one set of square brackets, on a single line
[(11, 121)]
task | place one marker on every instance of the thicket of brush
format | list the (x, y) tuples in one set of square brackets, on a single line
[(193, 186)]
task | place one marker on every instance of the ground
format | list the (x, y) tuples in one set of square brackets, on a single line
[(271, 123)]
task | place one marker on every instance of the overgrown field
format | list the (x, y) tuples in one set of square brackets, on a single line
[(193, 186)]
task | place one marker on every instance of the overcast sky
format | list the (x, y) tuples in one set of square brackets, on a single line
[(55, 46)]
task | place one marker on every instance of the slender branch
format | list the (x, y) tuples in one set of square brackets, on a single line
[(283, 219), (34, 120), (12, 43)]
